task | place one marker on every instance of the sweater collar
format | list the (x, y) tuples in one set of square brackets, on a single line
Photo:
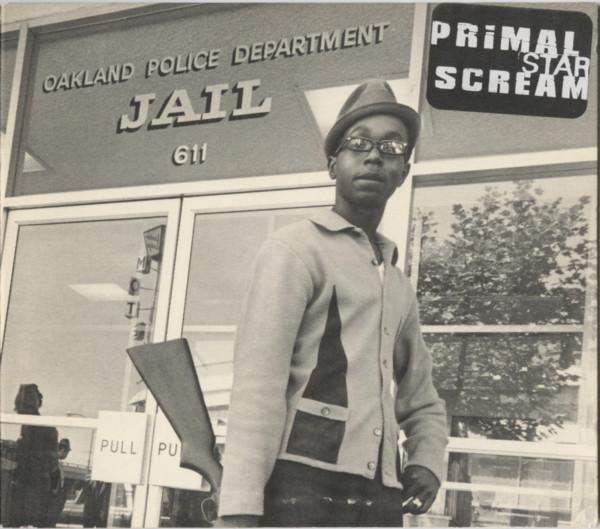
[(333, 222)]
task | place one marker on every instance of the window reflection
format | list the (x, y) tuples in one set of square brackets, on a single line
[(68, 325), (505, 276), (520, 387), (183, 508), (75, 500), (67, 328), (513, 491), (511, 253)]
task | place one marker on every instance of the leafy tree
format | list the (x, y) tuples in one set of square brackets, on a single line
[(514, 257)]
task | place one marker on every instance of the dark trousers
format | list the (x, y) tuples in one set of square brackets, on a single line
[(298, 495)]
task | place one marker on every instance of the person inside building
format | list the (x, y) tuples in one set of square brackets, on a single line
[(329, 360), (36, 460), (58, 494), (96, 503)]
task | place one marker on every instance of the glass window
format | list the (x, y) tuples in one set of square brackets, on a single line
[(72, 313), (505, 276), (521, 387), (510, 253), (67, 326), (66, 505), (504, 491)]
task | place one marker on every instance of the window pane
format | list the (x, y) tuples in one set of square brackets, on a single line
[(502, 491), (74, 500), (67, 327), (503, 253), (522, 387), (505, 276)]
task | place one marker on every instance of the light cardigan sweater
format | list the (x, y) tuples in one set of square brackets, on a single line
[(329, 361)]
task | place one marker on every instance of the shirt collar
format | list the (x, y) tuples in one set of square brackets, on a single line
[(331, 221)]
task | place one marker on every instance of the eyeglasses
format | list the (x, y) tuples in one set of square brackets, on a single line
[(394, 147)]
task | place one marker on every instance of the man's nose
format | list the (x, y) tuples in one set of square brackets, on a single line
[(374, 156)]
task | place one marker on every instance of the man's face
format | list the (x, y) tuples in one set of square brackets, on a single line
[(369, 179), (63, 452)]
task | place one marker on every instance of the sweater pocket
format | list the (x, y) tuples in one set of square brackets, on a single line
[(318, 430)]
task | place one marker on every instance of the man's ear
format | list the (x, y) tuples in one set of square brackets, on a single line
[(331, 167), (405, 172)]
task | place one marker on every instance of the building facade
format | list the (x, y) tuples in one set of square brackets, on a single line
[(149, 149)]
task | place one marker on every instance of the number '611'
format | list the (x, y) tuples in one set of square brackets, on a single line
[(194, 154)]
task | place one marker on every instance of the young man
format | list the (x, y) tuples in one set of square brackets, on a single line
[(329, 359)]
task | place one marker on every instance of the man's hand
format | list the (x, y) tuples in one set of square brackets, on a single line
[(237, 520), (420, 489)]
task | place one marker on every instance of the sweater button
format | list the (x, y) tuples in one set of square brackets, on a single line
[(325, 411), (371, 465), (377, 432), (374, 261)]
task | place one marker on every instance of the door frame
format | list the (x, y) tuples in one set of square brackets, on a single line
[(169, 208)]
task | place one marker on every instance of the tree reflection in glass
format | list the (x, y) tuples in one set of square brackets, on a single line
[(512, 256)]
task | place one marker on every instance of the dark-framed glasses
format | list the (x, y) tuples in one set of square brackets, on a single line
[(394, 147)]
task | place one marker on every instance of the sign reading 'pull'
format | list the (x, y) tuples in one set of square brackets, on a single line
[(119, 447)]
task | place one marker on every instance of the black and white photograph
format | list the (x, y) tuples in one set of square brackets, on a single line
[(291, 264)]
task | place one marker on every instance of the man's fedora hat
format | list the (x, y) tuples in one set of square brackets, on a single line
[(372, 97)]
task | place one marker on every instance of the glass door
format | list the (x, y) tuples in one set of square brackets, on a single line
[(218, 240), (79, 285)]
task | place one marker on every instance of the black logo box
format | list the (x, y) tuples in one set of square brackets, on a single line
[(572, 31)]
